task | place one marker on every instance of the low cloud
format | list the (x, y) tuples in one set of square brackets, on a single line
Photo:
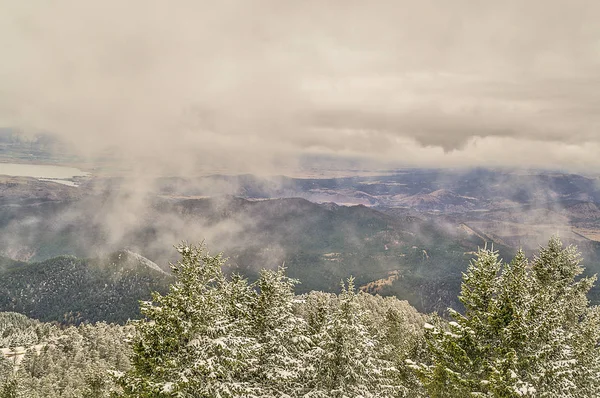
[(257, 86)]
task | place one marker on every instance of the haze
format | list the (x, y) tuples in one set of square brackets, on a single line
[(257, 86)]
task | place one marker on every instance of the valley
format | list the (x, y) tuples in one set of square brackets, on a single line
[(409, 234)]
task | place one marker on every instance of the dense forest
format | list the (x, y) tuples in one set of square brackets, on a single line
[(70, 290), (526, 330)]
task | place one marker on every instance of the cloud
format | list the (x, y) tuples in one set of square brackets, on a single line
[(254, 86)]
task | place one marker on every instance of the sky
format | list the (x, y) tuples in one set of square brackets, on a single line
[(258, 86)]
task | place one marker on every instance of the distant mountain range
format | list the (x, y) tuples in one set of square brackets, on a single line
[(443, 190), (408, 234)]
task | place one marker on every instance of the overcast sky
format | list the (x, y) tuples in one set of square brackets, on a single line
[(253, 85)]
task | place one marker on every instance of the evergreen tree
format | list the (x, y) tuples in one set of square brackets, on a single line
[(565, 329), (6, 369), (193, 340), (9, 389), (95, 383), (526, 331), (8, 380), (347, 361), (397, 344), (281, 336)]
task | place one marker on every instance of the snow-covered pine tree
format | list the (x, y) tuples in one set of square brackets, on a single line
[(8, 380), (195, 340), (526, 331), (564, 328), (6, 368), (460, 349), (9, 389), (346, 360), (281, 336), (509, 365), (397, 343)]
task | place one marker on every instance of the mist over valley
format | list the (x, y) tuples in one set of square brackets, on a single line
[(408, 233)]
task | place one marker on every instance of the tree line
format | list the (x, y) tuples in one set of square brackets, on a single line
[(527, 330)]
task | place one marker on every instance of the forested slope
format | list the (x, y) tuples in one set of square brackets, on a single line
[(71, 290)]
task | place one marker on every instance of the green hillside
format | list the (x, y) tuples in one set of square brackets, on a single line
[(71, 290)]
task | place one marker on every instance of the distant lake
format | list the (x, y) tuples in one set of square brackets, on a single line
[(44, 172)]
